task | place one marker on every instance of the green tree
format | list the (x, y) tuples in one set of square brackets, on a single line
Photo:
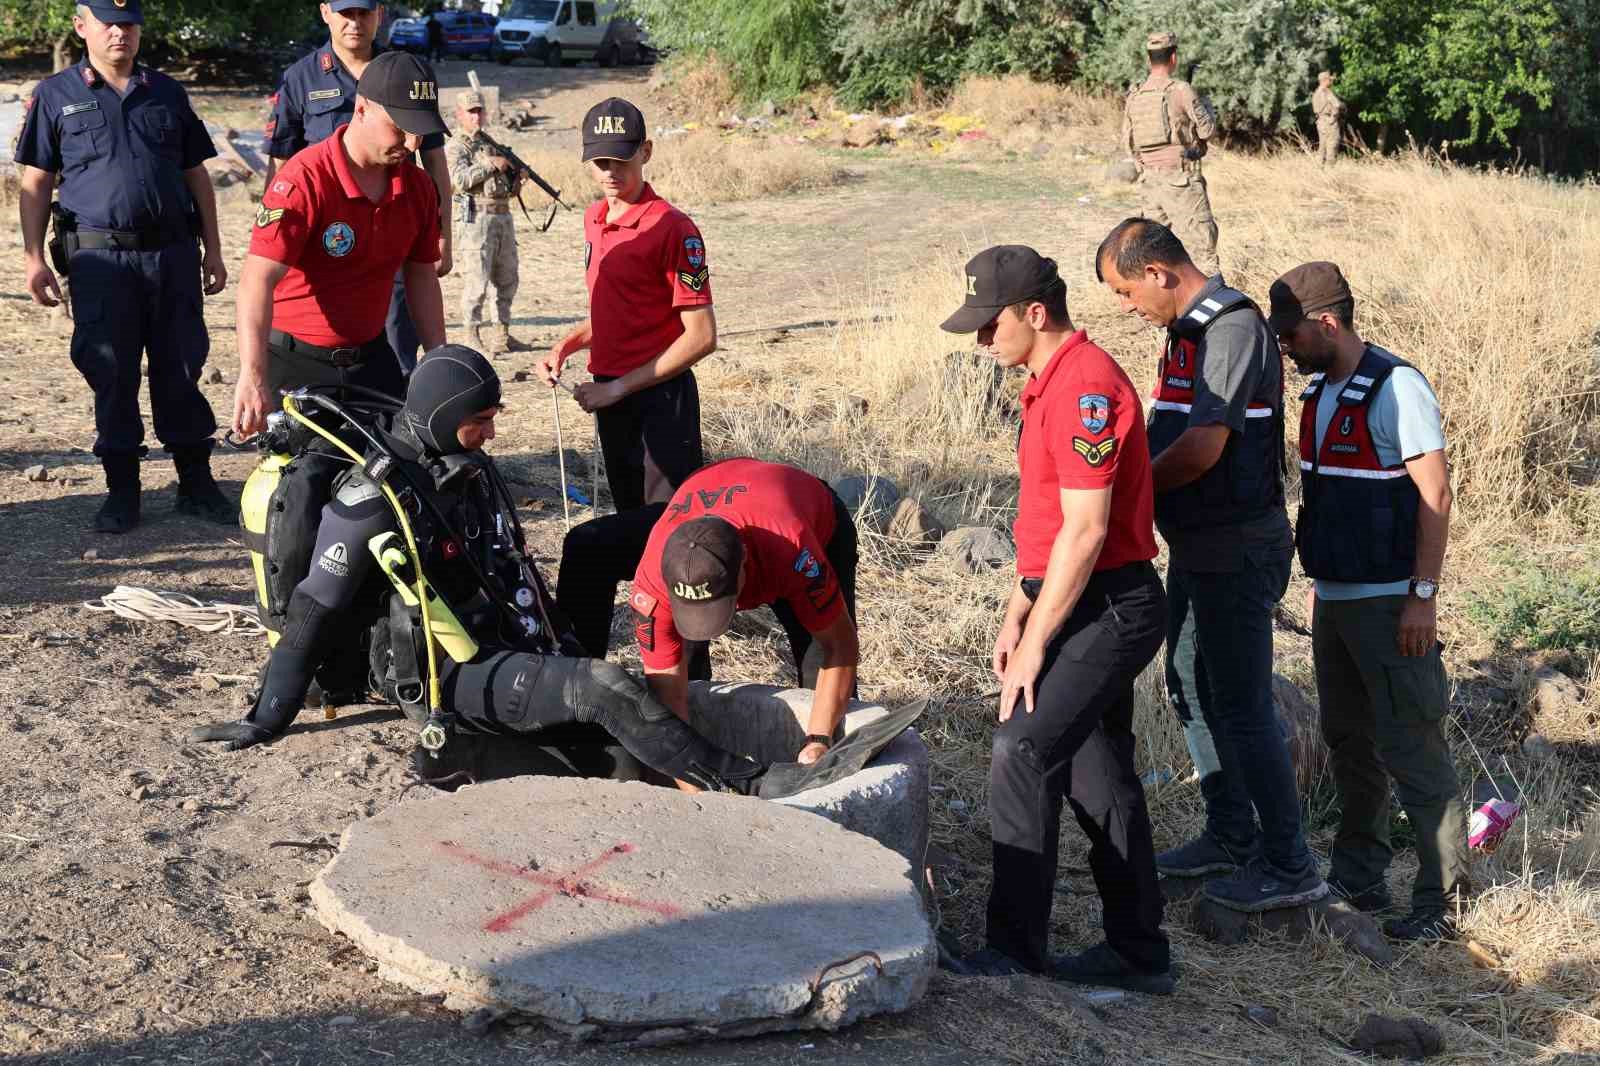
[(1256, 59), (177, 26), (776, 49)]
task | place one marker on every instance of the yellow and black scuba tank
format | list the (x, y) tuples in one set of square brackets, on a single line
[(279, 513)]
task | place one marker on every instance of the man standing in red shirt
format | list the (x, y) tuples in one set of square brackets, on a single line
[(334, 226), (1086, 616), (741, 534), (650, 317)]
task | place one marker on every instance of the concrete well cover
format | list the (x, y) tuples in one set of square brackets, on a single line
[(623, 911)]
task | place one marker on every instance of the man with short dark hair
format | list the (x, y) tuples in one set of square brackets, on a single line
[(650, 316), (1165, 127), (1374, 518), (1084, 618), (316, 97), (333, 229), (1216, 434), (135, 195)]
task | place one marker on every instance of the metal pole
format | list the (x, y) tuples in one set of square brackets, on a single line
[(561, 460)]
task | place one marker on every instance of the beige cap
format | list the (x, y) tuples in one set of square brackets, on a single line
[(1161, 39), (469, 99), (1326, 75)]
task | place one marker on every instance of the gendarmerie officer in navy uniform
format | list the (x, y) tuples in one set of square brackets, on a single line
[(316, 97), (135, 194)]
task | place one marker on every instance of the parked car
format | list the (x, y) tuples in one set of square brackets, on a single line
[(556, 31), (465, 33)]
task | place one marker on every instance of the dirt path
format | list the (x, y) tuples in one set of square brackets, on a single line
[(145, 915)]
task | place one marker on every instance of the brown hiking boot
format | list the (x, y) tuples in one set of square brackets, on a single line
[(505, 342)]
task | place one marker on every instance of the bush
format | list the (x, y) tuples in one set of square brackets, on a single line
[(775, 49), (1256, 60), (1539, 609)]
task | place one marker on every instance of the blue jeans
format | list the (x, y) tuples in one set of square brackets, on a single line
[(1219, 660)]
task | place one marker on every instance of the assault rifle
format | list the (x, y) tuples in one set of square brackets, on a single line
[(524, 172)]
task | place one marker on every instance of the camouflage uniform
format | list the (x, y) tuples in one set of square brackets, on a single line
[(1329, 109), (1165, 126), (486, 238)]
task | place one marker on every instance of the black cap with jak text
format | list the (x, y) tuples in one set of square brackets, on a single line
[(997, 278), (404, 85), (700, 566), (613, 129)]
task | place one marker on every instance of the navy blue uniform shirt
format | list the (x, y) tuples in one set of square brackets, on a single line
[(316, 97), (120, 158)]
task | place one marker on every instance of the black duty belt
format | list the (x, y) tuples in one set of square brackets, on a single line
[(346, 356), (144, 240)]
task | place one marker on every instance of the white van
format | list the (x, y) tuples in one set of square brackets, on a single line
[(556, 31)]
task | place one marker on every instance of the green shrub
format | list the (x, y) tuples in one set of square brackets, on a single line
[(775, 49), (1541, 608)]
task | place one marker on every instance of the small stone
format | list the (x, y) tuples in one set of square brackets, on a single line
[(209, 683), (1538, 746), (142, 792), (61, 397), (1040, 149), (192, 805), (214, 376), (1397, 1038), (36, 472), (979, 548), (342, 1019), (915, 524), (520, 375), (91, 555), (857, 406), (1262, 1016)]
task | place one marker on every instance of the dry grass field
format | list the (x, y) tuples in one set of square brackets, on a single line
[(833, 269)]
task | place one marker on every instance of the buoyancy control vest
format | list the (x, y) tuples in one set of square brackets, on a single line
[(1246, 482), (1358, 517)]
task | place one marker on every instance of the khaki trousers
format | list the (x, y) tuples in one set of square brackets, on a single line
[(1329, 136), (1383, 717), (1178, 199), (486, 247)]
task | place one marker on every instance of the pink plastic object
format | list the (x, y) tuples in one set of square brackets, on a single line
[(1490, 822)]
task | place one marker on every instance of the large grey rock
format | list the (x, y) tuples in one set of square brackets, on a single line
[(1355, 930), (871, 500), (887, 800), (618, 911), (1301, 722), (979, 548)]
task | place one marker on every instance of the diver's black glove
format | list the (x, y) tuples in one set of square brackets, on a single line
[(236, 735)]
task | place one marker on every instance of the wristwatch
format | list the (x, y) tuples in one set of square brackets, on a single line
[(819, 738), (1424, 588)]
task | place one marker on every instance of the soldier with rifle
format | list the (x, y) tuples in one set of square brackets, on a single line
[(488, 176)]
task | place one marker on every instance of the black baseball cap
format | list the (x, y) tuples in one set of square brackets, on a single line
[(116, 12), (346, 5), (404, 85), (613, 129), (997, 278), (700, 564)]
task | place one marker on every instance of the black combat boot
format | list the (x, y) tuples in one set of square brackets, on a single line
[(120, 512), (198, 494)]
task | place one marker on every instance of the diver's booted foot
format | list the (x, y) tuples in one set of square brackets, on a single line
[(990, 962), (1421, 926), (844, 758), (1102, 966)]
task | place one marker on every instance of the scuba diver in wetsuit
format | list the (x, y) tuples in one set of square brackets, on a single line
[(510, 678)]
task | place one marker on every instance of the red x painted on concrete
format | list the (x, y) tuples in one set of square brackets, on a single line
[(570, 884)]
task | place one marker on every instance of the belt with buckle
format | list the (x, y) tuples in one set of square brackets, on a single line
[(344, 356), (127, 240)]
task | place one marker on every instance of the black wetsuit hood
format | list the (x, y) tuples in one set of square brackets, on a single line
[(449, 383)]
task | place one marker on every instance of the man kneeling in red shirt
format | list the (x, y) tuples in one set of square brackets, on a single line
[(740, 534), (1085, 617)]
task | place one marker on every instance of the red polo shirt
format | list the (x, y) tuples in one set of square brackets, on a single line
[(1083, 428), (785, 518), (342, 249), (642, 270)]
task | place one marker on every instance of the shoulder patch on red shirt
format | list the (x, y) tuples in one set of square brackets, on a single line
[(267, 216), (644, 620), (644, 603), (695, 281), (1094, 454), (1094, 411), (283, 187)]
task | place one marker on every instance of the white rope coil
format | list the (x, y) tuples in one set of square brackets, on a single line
[(148, 605)]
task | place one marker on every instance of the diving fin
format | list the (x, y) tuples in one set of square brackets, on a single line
[(844, 758)]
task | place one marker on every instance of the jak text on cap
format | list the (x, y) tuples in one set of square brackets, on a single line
[(403, 85), (700, 564), (613, 129)]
